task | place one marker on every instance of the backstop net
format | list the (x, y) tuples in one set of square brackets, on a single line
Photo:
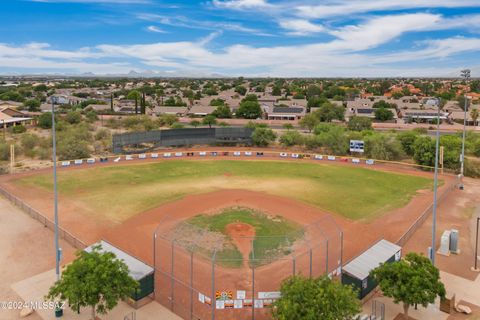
[(200, 275)]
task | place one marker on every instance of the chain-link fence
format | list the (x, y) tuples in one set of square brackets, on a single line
[(205, 275), (64, 234)]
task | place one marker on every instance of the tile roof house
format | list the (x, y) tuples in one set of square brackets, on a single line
[(285, 113)]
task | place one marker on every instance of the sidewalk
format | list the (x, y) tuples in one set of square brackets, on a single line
[(34, 289)]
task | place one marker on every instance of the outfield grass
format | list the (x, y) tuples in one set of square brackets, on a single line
[(273, 235), (119, 192)]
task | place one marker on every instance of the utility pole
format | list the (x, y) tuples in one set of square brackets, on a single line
[(466, 75), (435, 185), (55, 195), (475, 268)]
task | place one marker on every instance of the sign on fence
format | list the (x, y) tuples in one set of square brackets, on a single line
[(357, 146)]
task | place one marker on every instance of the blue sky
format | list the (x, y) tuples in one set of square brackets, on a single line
[(291, 38)]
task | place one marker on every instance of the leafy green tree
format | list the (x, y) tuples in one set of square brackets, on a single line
[(249, 108), (407, 140), (262, 136), (209, 120), (328, 112), (332, 138), (241, 90), (45, 120), (276, 91), (91, 116), (19, 129), (383, 114), (40, 88), (287, 126), (309, 121), (452, 147), (94, 279), (166, 120), (194, 123), (383, 147), (412, 280), (217, 102), (383, 104), (32, 105), (313, 91), (134, 95), (356, 123), (312, 299), (222, 112), (291, 138), (73, 117), (424, 151), (315, 102), (73, 142)]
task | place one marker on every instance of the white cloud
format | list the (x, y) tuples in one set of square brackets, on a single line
[(348, 7), (155, 29), (300, 27), (241, 4), (346, 55)]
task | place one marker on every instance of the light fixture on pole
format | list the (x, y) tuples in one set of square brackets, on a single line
[(465, 74), (435, 186), (58, 250)]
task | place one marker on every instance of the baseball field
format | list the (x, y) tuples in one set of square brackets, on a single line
[(120, 192), (279, 217)]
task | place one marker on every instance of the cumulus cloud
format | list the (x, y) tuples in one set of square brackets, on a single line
[(241, 4), (300, 27), (348, 7)]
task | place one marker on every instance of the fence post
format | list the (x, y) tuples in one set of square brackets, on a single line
[(214, 301), (191, 285), (171, 277)]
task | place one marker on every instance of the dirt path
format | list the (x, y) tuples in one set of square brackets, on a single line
[(242, 235), (26, 249)]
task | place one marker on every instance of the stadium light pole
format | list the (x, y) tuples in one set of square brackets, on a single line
[(55, 194), (435, 185), (465, 74)]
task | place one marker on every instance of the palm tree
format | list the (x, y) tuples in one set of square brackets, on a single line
[(474, 114)]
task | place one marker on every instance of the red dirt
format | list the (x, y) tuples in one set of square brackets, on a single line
[(135, 234), (242, 235)]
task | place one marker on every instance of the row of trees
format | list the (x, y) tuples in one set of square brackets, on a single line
[(411, 281), (86, 282)]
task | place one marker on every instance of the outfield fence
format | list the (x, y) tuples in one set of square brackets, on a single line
[(47, 223)]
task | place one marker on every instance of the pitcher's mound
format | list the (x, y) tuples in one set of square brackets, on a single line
[(239, 229)]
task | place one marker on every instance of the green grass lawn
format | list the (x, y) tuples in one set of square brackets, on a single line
[(121, 191), (273, 235)]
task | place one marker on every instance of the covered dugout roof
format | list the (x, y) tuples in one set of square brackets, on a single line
[(380, 252), (137, 269)]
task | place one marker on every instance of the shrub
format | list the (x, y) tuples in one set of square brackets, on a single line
[(262, 137), (45, 120), (19, 129), (291, 138)]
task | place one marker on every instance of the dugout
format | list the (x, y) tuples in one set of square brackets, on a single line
[(138, 270), (357, 271)]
